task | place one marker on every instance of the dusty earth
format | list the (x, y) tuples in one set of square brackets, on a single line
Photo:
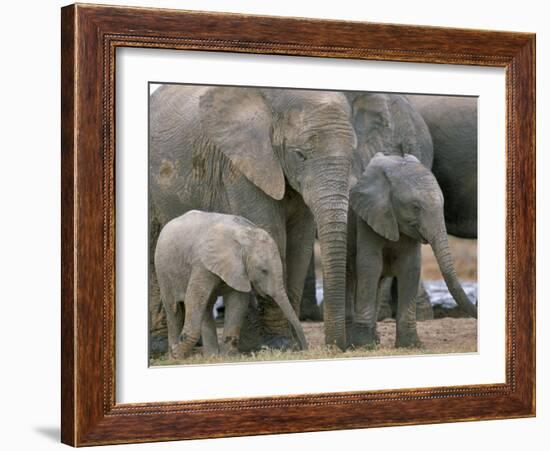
[(438, 336)]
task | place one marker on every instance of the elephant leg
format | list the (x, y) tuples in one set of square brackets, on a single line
[(366, 313), (157, 316), (309, 310), (209, 334), (198, 297), (407, 270), (173, 311), (385, 298), (369, 270), (174, 322), (351, 276), (251, 337), (299, 250), (299, 254), (387, 301), (424, 309), (235, 311)]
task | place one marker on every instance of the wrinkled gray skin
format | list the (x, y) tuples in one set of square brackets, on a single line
[(280, 158), (383, 123), (388, 123), (200, 256), (453, 125), (399, 206)]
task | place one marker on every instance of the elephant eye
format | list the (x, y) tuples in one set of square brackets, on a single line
[(264, 271), (300, 154)]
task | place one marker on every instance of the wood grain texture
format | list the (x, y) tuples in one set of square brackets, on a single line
[(68, 400), (90, 36)]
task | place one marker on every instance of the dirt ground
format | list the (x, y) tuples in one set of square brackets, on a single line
[(439, 336)]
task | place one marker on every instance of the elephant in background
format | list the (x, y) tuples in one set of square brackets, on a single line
[(453, 126), (280, 158), (399, 206), (200, 256), (388, 123)]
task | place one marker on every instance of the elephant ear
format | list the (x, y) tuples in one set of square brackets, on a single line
[(239, 122), (370, 198), (222, 254)]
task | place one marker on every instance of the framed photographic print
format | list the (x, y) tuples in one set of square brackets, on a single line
[(266, 220)]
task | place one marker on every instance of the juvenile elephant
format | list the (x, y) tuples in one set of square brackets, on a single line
[(200, 256), (280, 158), (386, 123), (399, 206)]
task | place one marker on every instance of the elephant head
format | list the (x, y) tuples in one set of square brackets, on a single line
[(298, 139), (388, 123), (245, 257), (398, 195)]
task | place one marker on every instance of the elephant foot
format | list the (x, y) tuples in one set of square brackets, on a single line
[(183, 348), (408, 341), (178, 353), (230, 346), (363, 336), (280, 342)]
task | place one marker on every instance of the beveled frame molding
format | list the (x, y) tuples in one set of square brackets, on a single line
[(90, 35)]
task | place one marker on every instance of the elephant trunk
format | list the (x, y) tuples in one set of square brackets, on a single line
[(284, 303), (327, 196), (440, 246)]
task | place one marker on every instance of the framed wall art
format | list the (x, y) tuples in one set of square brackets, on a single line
[(278, 225)]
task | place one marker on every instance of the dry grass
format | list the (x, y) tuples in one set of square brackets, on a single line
[(442, 336)]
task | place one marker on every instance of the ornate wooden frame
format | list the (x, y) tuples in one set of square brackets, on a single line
[(90, 35)]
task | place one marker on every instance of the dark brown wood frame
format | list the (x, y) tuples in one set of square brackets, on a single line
[(90, 35)]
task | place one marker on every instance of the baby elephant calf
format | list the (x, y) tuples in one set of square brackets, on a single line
[(200, 256), (399, 206)]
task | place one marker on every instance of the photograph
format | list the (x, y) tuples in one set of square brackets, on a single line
[(295, 224)]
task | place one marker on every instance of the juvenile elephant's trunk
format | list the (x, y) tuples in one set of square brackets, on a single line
[(327, 196), (440, 246), (283, 302)]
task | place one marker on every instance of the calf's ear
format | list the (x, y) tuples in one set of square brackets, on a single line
[(370, 198), (222, 254)]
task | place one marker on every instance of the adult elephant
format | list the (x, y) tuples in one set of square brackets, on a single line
[(278, 157), (390, 124), (453, 126)]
